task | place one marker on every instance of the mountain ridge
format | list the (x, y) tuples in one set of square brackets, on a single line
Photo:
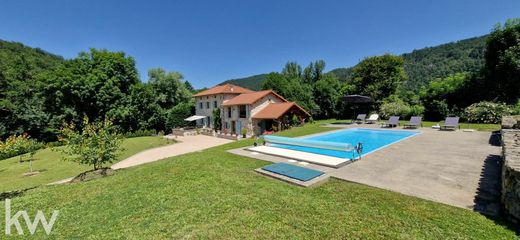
[(422, 65)]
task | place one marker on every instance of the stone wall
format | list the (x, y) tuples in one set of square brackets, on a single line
[(511, 173), (511, 122)]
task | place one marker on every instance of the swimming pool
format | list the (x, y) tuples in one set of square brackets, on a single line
[(372, 140)]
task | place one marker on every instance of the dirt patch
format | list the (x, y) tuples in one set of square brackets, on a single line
[(93, 174)]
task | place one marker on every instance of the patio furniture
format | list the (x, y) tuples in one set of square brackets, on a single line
[(361, 118), (451, 123), (373, 118), (392, 122), (415, 122)]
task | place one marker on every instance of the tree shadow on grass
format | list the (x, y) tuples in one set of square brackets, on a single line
[(487, 199), (13, 194)]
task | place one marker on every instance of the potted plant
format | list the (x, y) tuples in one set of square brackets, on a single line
[(244, 132)]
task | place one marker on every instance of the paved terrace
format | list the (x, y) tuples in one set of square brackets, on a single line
[(441, 166)]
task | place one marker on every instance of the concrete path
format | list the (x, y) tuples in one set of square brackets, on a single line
[(186, 144)]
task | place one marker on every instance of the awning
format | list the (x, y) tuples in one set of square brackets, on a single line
[(193, 118)]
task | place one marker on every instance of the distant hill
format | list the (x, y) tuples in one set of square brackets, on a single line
[(422, 65), (14, 56), (252, 82)]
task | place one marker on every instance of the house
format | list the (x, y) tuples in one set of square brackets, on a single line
[(241, 108)]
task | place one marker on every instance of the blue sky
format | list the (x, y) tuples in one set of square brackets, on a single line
[(212, 41)]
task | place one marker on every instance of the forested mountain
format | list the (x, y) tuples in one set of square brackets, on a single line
[(422, 65), (17, 59), (427, 64), (253, 82)]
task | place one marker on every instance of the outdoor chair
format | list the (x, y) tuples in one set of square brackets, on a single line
[(392, 122), (361, 118), (373, 118), (451, 123), (415, 122)]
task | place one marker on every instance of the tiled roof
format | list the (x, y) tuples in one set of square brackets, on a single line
[(250, 98), (226, 88), (276, 110)]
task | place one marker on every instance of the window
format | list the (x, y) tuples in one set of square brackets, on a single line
[(215, 104), (200, 105), (242, 111), (229, 112), (207, 105)]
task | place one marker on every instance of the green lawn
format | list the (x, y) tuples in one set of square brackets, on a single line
[(215, 194), (52, 168)]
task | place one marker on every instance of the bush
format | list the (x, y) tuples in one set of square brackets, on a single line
[(175, 116), (416, 110), (140, 133), (18, 145), (396, 107), (295, 121), (486, 112), (516, 108)]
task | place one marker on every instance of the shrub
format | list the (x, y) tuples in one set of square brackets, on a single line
[(486, 112), (416, 110), (295, 121), (96, 144), (396, 107), (140, 133), (516, 108), (175, 116), (18, 145)]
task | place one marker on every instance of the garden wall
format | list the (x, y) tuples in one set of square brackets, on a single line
[(511, 167)]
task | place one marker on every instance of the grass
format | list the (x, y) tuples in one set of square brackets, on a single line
[(215, 194), (52, 168)]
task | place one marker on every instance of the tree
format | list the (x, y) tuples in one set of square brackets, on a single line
[(292, 70), (217, 122), (291, 89), (95, 144), (502, 68), (91, 85), (169, 87), (445, 95), (175, 116), (313, 72), (326, 96), (189, 87), (379, 76)]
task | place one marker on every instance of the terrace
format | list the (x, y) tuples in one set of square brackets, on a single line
[(446, 167)]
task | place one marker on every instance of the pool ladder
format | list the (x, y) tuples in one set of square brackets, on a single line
[(359, 150)]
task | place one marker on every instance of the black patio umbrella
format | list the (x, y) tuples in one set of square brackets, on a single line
[(360, 99), (357, 99)]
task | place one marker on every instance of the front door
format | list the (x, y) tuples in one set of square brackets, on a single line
[(233, 127)]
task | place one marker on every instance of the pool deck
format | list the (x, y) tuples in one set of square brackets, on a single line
[(442, 166)]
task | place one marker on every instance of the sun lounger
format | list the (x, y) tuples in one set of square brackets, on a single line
[(361, 118), (451, 123), (373, 118), (415, 122), (392, 122)]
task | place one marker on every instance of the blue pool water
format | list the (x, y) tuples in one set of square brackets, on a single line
[(371, 139)]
